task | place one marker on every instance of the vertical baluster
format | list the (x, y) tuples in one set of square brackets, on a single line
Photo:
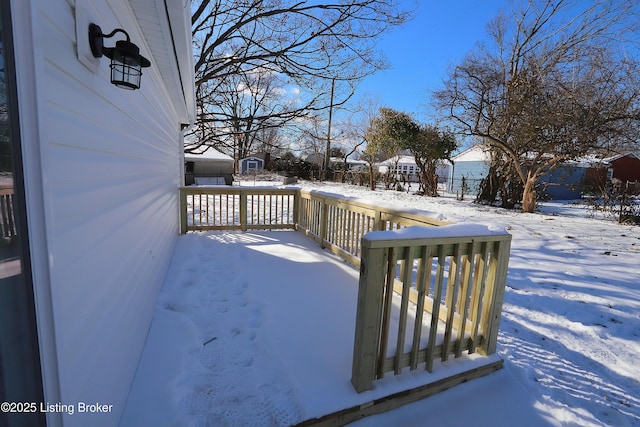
[(406, 273), (358, 235), (463, 300), (435, 310), (453, 283), (477, 294), (423, 279), (386, 312)]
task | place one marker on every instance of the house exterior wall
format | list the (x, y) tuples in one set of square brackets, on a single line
[(103, 169), (472, 171), (564, 183), (626, 168)]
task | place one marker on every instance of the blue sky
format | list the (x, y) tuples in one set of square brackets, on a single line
[(420, 52)]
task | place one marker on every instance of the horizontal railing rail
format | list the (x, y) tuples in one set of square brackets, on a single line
[(455, 273)]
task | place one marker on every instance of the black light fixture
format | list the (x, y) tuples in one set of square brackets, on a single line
[(126, 61)]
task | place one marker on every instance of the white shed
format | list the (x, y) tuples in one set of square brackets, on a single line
[(470, 166), (96, 171), (210, 166)]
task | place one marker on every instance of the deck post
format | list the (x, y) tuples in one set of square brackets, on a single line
[(377, 221), (296, 208), (368, 317), (183, 211), (324, 219), (243, 211), (497, 297)]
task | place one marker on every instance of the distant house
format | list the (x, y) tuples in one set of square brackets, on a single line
[(352, 164), (625, 167), (208, 168), (251, 164), (95, 177), (567, 182), (406, 166), (622, 167), (470, 167), (401, 166), (315, 158), (335, 162)]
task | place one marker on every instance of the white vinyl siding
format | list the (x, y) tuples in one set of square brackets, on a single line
[(110, 177)]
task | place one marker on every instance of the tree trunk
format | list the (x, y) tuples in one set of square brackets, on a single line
[(529, 196), (372, 181)]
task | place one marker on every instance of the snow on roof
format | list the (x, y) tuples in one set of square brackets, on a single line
[(593, 160), (619, 156), (400, 160), (210, 154), (350, 161), (477, 153)]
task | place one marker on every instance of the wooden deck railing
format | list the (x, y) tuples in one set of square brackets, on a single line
[(338, 224), (237, 208), (455, 273)]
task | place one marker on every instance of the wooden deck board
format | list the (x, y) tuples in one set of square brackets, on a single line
[(401, 398)]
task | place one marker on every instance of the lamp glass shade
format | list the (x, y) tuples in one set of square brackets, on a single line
[(125, 76), (126, 67)]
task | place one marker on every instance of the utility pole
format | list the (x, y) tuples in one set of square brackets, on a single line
[(327, 156)]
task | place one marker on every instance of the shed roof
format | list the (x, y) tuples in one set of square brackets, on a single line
[(211, 154), (253, 158), (477, 153)]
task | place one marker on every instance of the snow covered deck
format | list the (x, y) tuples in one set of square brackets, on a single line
[(259, 327)]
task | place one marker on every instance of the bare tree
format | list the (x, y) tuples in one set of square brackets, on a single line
[(558, 81), (242, 109), (301, 46)]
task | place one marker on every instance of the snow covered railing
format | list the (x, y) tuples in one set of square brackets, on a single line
[(338, 224), (455, 273), (237, 208)]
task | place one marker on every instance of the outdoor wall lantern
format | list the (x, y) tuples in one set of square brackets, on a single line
[(126, 61)]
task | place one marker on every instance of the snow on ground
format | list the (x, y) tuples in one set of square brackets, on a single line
[(569, 335)]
